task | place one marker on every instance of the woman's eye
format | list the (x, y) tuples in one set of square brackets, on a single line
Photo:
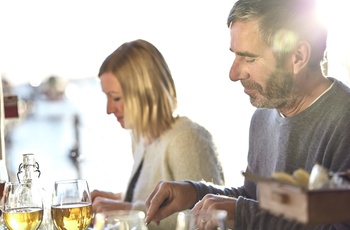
[(116, 98)]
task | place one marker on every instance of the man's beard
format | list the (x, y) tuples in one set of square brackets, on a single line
[(277, 93)]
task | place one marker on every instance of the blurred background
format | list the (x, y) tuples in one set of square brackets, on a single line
[(50, 55)]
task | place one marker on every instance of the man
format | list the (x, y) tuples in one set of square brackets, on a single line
[(302, 117)]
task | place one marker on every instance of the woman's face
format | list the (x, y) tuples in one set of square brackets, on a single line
[(115, 101)]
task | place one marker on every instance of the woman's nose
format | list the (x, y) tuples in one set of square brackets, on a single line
[(110, 107)]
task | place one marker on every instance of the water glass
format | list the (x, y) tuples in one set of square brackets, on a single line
[(215, 220), (120, 220)]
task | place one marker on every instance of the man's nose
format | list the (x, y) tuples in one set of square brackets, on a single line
[(238, 71)]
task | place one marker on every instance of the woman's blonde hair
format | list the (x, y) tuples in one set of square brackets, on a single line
[(148, 88)]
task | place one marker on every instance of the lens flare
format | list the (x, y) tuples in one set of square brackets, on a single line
[(284, 41)]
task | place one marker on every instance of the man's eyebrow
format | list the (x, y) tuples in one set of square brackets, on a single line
[(245, 54)]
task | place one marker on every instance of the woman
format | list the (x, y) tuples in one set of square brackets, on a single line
[(141, 94)]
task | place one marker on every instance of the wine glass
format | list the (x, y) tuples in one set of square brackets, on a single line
[(71, 206), (23, 206), (120, 220), (215, 219), (3, 179)]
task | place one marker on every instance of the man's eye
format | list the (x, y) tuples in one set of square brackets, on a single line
[(250, 60)]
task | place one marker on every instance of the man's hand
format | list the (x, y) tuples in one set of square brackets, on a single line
[(211, 202), (168, 198)]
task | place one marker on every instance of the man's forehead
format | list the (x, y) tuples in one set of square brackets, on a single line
[(245, 37)]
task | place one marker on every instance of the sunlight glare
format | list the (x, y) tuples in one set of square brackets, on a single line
[(334, 14)]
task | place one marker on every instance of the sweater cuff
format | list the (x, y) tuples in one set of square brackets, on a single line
[(197, 185)]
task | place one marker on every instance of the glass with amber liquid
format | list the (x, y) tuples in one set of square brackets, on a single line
[(23, 206), (71, 205), (3, 179)]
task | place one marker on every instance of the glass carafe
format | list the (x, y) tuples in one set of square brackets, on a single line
[(29, 173)]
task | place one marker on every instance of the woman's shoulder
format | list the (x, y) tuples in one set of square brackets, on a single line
[(185, 124)]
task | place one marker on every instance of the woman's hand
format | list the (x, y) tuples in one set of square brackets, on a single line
[(101, 204), (97, 193)]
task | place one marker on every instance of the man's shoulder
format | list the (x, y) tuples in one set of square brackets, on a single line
[(339, 86), (338, 96)]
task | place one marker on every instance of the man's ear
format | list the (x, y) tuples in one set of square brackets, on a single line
[(301, 56)]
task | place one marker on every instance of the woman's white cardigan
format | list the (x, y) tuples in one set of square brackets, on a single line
[(185, 152)]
